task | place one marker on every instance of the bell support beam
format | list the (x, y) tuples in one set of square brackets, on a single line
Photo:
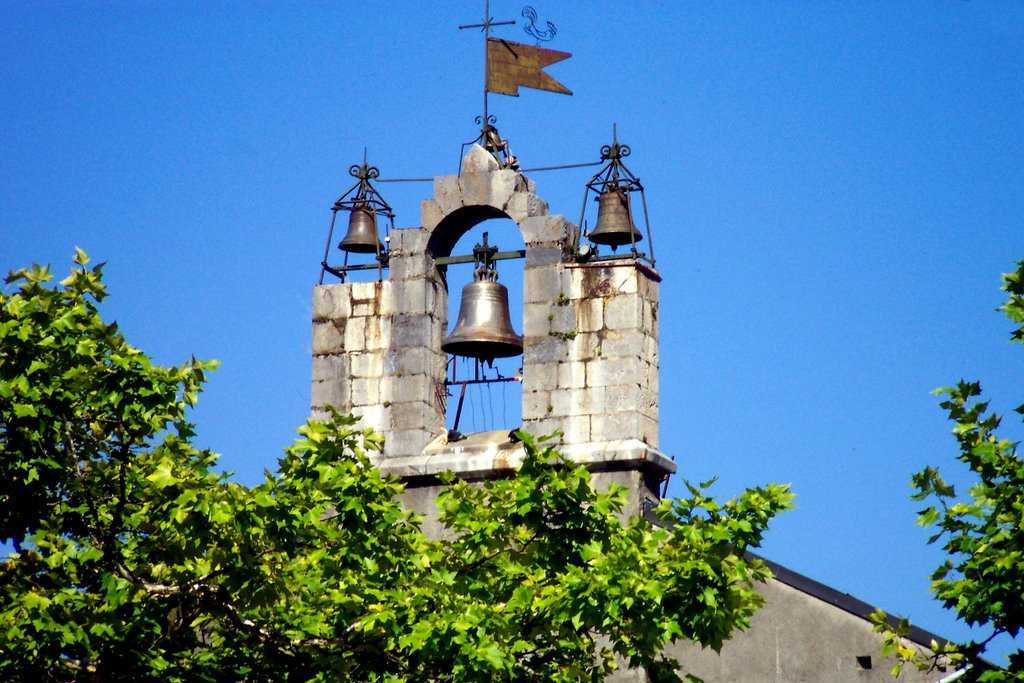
[(500, 256)]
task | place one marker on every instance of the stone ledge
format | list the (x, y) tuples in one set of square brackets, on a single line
[(487, 454)]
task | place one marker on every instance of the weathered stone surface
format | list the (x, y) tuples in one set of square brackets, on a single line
[(411, 414), (479, 160), (448, 194), (365, 392), (590, 401), (331, 392), (624, 344), (650, 317), (537, 229), (648, 286), (589, 314), (413, 296), (540, 426), (364, 308), (571, 233), (526, 184), (546, 349), (613, 426), (364, 293), (413, 361), (406, 386), (536, 320), (535, 404), (563, 404), (653, 382), (373, 416), (409, 242), (326, 368), (494, 188), (330, 302), (540, 377), (590, 357), (650, 348), (430, 214), (543, 257), (438, 324), (577, 429), (541, 285), (591, 281), (586, 346), (523, 205), (366, 365), (378, 333), (571, 375), (606, 372), (562, 321), (622, 398), (625, 279), (329, 337), (649, 429), (623, 313), (355, 334), (410, 330), (404, 443)]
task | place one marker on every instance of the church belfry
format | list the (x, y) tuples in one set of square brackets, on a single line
[(589, 338), (590, 342)]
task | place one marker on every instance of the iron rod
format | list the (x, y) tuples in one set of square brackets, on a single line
[(500, 256), (463, 382), (458, 411), (327, 247)]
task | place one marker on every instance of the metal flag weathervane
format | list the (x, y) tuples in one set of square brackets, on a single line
[(509, 65)]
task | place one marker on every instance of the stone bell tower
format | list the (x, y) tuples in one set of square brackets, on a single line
[(590, 346)]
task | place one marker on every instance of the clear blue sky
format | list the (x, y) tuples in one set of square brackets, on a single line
[(834, 190)]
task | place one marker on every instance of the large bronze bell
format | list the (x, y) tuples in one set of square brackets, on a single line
[(362, 232), (614, 224), (484, 328)]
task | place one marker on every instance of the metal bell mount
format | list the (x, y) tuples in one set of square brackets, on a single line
[(483, 329), (363, 204), (614, 187)]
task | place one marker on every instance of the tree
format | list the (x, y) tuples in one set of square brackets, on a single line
[(983, 531), (134, 559)]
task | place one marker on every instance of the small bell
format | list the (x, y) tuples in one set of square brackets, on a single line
[(362, 232), (614, 224)]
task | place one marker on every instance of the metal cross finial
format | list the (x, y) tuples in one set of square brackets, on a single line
[(486, 28)]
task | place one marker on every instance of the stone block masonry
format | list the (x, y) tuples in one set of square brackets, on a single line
[(591, 351)]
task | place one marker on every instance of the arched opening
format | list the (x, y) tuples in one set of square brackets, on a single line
[(490, 394)]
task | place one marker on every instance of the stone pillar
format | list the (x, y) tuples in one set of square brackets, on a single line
[(414, 368), (377, 349), (593, 354), (351, 334)]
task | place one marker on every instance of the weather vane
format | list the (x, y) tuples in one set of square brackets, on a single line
[(531, 26), (509, 66)]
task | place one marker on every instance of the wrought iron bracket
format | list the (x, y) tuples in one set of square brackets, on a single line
[(362, 195), (615, 175)]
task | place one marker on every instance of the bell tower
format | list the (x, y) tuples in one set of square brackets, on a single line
[(589, 342)]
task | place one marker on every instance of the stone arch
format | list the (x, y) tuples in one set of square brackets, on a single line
[(485, 191), (452, 227)]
